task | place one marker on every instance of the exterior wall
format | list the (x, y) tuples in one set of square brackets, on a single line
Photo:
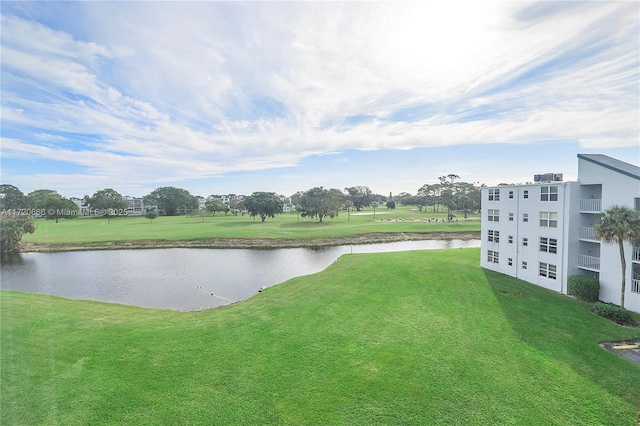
[(135, 206), (202, 203), (615, 189), (83, 208), (520, 238), (578, 206)]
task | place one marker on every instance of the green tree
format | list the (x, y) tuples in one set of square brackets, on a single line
[(170, 199), (427, 196), (360, 196), (295, 202), (391, 205), (404, 198), (319, 202), (348, 204), (202, 213), (108, 202), (151, 214), (236, 204), (467, 196), (11, 198), (263, 204), (11, 230), (214, 205), (449, 192), (617, 225), (52, 204)]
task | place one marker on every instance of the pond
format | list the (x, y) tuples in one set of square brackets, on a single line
[(179, 279)]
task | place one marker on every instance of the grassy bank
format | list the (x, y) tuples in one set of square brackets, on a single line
[(285, 230), (391, 338)]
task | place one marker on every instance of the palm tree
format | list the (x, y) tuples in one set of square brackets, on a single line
[(617, 225)]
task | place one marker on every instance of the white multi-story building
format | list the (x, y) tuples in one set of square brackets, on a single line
[(83, 207), (135, 206), (543, 232), (202, 203)]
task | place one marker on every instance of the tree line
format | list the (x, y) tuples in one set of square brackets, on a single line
[(17, 209)]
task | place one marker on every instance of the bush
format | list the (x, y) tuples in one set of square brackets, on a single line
[(584, 288), (612, 312)]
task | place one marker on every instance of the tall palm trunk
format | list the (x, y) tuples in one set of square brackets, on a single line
[(623, 262)]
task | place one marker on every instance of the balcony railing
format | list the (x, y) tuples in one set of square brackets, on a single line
[(635, 286), (588, 233), (636, 254), (591, 205), (589, 262)]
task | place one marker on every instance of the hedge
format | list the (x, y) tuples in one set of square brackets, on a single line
[(584, 288), (612, 312)]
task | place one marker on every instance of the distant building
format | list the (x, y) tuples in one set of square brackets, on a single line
[(83, 207), (286, 206), (543, 232), (135, 206), (201, 203)]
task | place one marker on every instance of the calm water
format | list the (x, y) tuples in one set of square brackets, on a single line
[(179, 279)]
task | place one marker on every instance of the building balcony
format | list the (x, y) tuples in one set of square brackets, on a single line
[(591, 205), (588, 262), (636, 254), (588, 233)]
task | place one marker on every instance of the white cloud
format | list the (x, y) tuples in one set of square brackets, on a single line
[(205, 88)]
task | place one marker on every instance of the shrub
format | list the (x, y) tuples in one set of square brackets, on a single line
[(612, 312), (584, 288)]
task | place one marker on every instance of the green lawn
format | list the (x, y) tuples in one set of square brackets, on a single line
[(424, 337), (97, 229)]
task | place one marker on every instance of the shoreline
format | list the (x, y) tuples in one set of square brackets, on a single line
[(250, 243)]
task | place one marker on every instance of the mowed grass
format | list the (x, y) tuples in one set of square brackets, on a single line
[(98, 229), (410, 338)]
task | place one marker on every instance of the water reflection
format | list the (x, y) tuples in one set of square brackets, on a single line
[(180, 279)]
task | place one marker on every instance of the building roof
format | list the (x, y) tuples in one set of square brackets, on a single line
[(612, 164)]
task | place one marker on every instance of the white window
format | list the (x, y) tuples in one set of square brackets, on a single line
[(510, 217), (524, 265), (549, 219), (525, 241), (525, 194), (493, 215), (492, 256), (494, 195), (510, 195), (525, 217), (548, 245), (493, 236), (510, 239), (547, 270), (548, 193)]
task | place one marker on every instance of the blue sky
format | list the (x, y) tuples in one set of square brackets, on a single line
[(236, 97)]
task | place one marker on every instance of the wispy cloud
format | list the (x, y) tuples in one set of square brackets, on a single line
[(185, 90)]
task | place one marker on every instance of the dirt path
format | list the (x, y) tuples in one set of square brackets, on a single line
[(256, 243)]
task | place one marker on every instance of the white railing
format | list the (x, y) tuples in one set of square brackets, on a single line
[(588, 233), (635, 286), (591, 205), (636, 254), (589, 262)]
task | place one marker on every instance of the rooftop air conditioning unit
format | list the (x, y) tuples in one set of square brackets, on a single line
[(547, 177)]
